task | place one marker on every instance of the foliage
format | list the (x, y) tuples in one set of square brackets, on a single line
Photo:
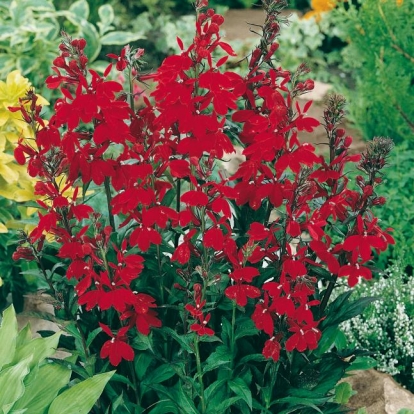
[(398, 212), (385, 327), (30, 29), (380, 58), (30, 381), (209, 292)]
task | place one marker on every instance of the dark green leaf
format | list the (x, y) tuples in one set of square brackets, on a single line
[(226, 404), (160, 374), (220, 356), (362, 363), (165, 407), (239, 387)]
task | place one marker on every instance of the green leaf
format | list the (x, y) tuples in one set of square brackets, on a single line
[(239, 387), (38, 349), (24, 336), (106, 14), (362, 363), (343, 392), (246, 327), (163, 407), (11, 382), (142, 361), (160, 374), (92, 336), (80, 8), (81, 397), (185, 341), (252, 358), (120, 38), (297, 403), (220, 356), (142, 342), (42, 388), (8, 335), (211, 390), (341, 309), (226, 404), (405, 411), (328, 338), (183, 400)]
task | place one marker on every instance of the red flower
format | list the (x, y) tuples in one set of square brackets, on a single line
[(116, 348), (240, 292), (354, 272), (272, 349), (262, 316), (306, 336), (121, 60), (201, 327)]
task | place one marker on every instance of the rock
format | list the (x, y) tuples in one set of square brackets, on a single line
[(378, 393)]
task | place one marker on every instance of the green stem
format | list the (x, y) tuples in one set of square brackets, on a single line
[(233, 340), (200, 375), (134, 381), (131, 89), (108, 200)]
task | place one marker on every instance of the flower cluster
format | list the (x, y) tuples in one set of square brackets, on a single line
[(257, 239)]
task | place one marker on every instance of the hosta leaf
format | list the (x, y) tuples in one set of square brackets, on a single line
[(8, 335), (43, 388), (39, 349), (81, 397), (120, 38), (11, 382)]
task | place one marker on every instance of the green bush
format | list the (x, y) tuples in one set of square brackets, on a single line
[(380, 58), (385, 327), (398, 211)]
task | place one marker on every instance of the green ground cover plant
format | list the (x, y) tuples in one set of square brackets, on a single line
[(385, 327)]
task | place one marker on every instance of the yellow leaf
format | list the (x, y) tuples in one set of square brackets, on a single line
[(3, 228)]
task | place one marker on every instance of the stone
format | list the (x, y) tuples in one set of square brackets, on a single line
[(378, 393)]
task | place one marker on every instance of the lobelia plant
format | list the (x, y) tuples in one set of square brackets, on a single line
[(209, 292)]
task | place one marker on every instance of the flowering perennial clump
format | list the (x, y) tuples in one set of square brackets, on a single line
[(178, 246)]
